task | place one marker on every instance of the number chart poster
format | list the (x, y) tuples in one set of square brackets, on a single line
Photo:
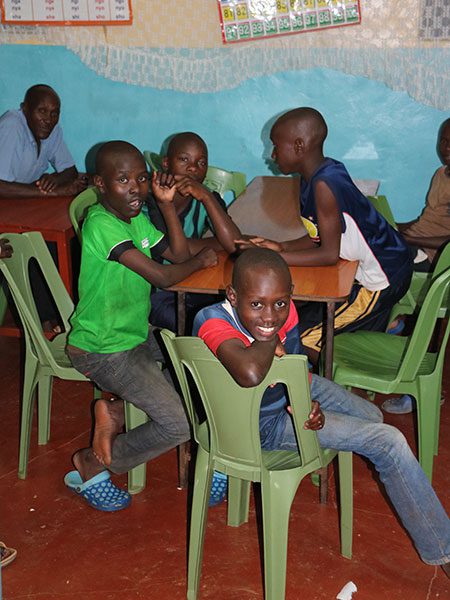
[(245, 20), (66, 12)]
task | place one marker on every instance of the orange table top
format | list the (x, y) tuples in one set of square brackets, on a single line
[(319, 284), (269, 207), (35, 214)]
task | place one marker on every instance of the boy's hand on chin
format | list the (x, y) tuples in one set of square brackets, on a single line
[(163, 187), (187, 186)]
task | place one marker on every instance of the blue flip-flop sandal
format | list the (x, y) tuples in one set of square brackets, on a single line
[(219, 488), (398, 328), (99, 491)]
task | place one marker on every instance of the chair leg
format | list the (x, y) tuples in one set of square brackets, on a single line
[(346, 500), (45, 386), (3, 302), (427, 419), (277, 491), (202, 488), (28, 395), (323, 484), (137, 476), (437, 425), (238, 501)]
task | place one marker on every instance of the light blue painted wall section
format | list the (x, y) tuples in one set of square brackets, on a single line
[(378, 133)]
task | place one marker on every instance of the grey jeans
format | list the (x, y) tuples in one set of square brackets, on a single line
[(135, 376)]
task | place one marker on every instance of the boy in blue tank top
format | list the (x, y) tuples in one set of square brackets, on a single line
[(341, 223)]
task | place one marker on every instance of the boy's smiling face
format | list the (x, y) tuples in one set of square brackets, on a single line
[(123, 184), (262, 301), (187, 157), (42, 114)]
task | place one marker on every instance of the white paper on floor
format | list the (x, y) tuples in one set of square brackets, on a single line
[(347, 591)]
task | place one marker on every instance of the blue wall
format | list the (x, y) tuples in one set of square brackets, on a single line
[(378, 133)]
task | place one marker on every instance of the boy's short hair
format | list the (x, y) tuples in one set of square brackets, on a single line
[(113, 148), (259, 257), (179, 139), (309, 117)]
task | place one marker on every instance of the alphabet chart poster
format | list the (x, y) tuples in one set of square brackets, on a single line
[(66, 12), (245, 20)]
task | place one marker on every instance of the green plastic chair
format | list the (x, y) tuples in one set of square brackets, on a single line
[(221, 181), (44, 358), (79, 206), (390, 364), (154, 160), (228, 441), (216, 180), (382, 205), (420, 284)]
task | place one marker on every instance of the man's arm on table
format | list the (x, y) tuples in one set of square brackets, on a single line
[(66, 183)]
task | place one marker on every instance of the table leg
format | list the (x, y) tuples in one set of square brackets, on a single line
[(329, 338), (181, 313), (3, 302), (184, 450), (65, 260)]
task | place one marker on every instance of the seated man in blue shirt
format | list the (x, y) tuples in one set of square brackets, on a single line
[(31, 139)]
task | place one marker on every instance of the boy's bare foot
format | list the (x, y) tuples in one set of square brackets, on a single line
[(109, 421), (87, 464), (51, 327), (446, 569)]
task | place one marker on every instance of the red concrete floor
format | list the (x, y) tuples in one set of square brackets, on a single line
[(67, 550)]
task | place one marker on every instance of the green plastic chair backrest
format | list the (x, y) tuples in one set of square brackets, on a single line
[(79, 206), (420, 283), (382, 205), (154, 160), (443, 261), (217, 180), (16, 272), (435, 299), (221, 181), (232, 411)]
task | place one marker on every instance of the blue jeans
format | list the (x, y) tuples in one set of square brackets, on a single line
[(135, 376), (354, 424)]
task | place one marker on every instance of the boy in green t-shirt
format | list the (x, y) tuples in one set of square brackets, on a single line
[(109, 341)]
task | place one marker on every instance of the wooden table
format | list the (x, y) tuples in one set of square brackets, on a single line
[(270, 207), (50, 216)]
